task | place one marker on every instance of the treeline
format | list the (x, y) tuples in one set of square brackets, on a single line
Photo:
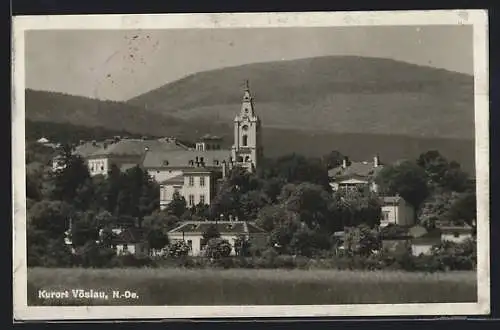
[(289, 197)]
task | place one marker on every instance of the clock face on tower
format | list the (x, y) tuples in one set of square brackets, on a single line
[(244, 128)]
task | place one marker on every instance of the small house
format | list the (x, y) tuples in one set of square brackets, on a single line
[(129, 241), (424, 244), (191, 232)]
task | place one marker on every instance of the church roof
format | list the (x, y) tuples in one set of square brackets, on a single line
[(181, 158), (86, 149)]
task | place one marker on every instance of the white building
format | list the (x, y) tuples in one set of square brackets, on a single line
[(191, 232), (354, 175), (396, 211), (456, 234)]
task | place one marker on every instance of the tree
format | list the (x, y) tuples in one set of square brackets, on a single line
[(211, 232), (272, 216), (295, 168), (354, 208), (362, 240), (242, 246), (406, 179), (443, 173), (463, 209), (70, 178), (178, 249), (177, 205), (84, 229), (50, 217), (333, 159), (157, 238), (311, 202)]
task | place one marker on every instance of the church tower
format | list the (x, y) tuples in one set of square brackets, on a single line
[(247, 147)]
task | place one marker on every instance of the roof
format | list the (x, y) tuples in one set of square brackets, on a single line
[(456, 229), (125, 167), (129, 235), (355, 169), (176, 179), (86, 149), (210, 137), (181, 158), (43, 140), (391, 200), (223, 227), (136, 147)]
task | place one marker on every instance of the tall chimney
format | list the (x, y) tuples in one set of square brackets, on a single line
[(376, 161), (344, 162)]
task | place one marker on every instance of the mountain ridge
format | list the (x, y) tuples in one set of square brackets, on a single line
[(331, 93)]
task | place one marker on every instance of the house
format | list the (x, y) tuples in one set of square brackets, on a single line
[(126, 153), (129, 241), (397, 211), (354, 175), (456, 234), (192, 233)]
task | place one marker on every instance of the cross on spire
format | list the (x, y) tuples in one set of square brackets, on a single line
[(247, 87)]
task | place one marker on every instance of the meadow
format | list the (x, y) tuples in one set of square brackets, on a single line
[(156, 286)]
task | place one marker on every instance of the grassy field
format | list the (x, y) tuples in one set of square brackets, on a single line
[(252, 287)]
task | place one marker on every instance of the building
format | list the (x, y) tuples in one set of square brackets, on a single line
[(194, 173), (247, 148), (354, 175), (191, 232), (456, 234), (396, 211), (130, 241), (127, 153)]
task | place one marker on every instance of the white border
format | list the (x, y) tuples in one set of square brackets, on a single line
[(477, 18)]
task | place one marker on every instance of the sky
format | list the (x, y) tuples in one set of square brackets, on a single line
[(119, 65)]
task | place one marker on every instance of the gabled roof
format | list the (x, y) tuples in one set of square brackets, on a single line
[(356, 170), (174, 180), (86, 149), (129, 235), (181, 158), (136, 147), (223, 227), (456, 229)]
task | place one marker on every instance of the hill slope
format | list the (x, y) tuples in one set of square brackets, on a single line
[(335, 94), (69, 118), (116, 116)]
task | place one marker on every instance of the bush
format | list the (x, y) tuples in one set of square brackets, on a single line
[(218, 248), (178, 249)]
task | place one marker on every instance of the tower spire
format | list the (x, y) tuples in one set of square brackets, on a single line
[(247, 87)]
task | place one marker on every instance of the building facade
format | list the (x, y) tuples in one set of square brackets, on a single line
[(191, 232), (396, 211), (355, 175)]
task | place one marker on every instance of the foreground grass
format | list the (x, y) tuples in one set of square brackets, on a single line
[(253, 287)]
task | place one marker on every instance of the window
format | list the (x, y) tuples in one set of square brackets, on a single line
[(202, 181), (456, 234), (190, 244), (202, 199), (247, 159), (385, 215), (245, 140), (245, 127), (191, 181), (191, 200)]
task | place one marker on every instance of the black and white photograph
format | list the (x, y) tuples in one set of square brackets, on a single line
[(250, 165)]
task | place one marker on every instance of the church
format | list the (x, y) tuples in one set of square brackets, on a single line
[(194, 174), (191, 172)]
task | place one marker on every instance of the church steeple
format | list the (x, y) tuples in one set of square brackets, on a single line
[(247, 148), (247, 109)]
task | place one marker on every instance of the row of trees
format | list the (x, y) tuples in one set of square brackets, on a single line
[(290, 197)]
